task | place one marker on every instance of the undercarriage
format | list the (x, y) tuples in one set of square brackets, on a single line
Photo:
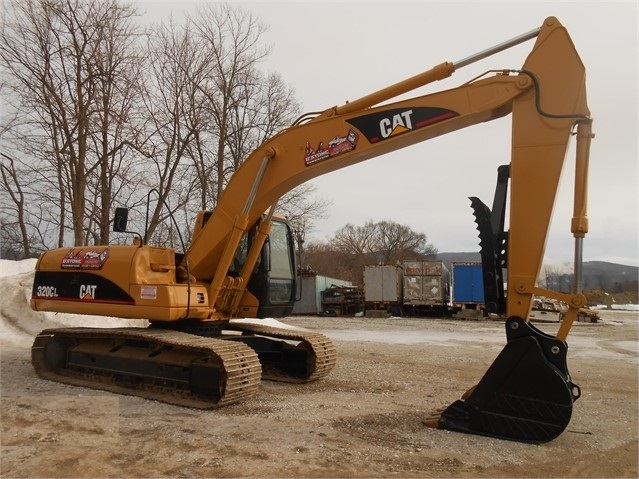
[(182, 368)]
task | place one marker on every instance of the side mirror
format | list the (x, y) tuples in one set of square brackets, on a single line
[(120, 220)]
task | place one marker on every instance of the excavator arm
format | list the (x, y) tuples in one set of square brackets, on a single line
[(546, 99), (527, 393)]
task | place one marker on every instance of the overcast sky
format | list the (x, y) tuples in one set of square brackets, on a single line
[(331, 53)]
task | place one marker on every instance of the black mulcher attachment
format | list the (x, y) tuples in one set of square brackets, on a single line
[(493, 242), (526, 394)]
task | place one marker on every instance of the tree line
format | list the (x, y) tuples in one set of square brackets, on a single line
[(600, 276), (352, 247), (100, 112)]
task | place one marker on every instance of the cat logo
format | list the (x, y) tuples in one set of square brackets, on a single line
[(399, 123), (387, 123), (87, 291)]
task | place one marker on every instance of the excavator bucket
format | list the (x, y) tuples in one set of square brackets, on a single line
[(526, 395)]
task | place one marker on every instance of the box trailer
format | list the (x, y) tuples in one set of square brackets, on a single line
[(383, 288), (426, 288), (467, 287)]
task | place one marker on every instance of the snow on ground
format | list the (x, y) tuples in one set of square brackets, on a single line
[(265, 322), (619, 307)]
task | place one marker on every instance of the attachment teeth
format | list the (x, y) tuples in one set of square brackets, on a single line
[(490, 258)]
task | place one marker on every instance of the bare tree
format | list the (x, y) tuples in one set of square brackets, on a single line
[(555, 277), (23, 231), (15, 237), (356, 247), (384, 242), (95, 132), (11, 184), (229, 108), (302, 207), (322, 259), (356, 240), (117, 73), (174, 118), (397, 242), (231, 39), (69, 62), (266, 107)]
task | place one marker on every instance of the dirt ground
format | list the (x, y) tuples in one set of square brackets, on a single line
[(363, 420)]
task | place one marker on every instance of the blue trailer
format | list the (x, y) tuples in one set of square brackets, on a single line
[(467, 286)]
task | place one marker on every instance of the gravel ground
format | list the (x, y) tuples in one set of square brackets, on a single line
[(363, 420)]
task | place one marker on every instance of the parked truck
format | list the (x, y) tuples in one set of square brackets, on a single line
[(426, 289)]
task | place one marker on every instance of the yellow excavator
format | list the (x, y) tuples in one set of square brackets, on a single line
[(241, 262)]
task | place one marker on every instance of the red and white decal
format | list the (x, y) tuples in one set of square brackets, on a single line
[(336, 146), (81, 259)]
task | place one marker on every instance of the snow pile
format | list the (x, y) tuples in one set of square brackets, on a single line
[(272, 322), (19, 324), (12, 268)]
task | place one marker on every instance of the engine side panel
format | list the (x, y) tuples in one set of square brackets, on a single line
[(123, 281)]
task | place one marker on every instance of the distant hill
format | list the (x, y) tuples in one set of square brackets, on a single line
[(610, 277), (614, 269)]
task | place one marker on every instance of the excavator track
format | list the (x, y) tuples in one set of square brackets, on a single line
[(311, 358), (163, 365)]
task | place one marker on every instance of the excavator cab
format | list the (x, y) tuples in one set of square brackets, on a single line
[(273, 281), (272, 278)]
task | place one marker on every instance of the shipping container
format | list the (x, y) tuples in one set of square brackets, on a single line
[(467, 285), (426, 288)]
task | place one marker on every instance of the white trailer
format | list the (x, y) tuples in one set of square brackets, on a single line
[(383, 288)]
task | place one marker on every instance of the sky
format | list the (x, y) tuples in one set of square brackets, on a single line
[(333, 52)]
